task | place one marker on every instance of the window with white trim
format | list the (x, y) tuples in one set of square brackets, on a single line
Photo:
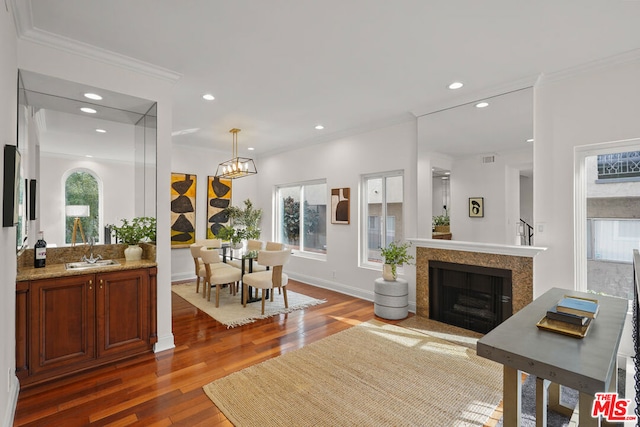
[(382, 214), (301, 217)]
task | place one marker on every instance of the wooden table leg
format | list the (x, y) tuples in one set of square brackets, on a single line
[(511, 396), (585, 404), (541, 402)]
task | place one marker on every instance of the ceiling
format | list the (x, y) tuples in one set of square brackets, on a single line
[(277, 68)]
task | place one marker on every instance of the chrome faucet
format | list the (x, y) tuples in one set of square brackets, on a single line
[(91, 259)]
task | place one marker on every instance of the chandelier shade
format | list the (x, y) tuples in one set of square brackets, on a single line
[(236, 167)]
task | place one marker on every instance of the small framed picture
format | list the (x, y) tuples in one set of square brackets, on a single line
[(476, 207)]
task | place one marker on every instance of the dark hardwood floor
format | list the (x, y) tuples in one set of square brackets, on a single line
[(166, 388)]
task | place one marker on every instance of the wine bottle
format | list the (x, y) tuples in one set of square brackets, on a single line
[(40, 255)]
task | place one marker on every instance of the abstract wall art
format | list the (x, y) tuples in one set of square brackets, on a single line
[(183, 209), (218, 199), (340, 200), (476, 207)]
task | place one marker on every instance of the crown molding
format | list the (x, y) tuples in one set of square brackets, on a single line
[(23, 18), (609, 61)]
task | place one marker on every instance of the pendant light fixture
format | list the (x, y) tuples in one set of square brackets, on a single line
[(237, 167)]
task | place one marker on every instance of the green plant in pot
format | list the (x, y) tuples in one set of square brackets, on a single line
[(245, 224), (133, 232), (232, 235), (395, 254), (441, 223)]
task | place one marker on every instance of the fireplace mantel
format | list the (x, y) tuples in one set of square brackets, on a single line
[(518, 259)]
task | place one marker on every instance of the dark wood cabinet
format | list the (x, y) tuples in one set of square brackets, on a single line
[(72, 323)]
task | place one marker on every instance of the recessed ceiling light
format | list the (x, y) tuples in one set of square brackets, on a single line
[(530, 140), (319, 127), (456, 85), (88, 110), (208, 97), (447, 173), (445, 177), (250, 148), (101, 131), (88, 155), (482, 104), (94, 96)]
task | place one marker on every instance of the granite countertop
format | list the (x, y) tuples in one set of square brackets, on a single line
[(58, 270)]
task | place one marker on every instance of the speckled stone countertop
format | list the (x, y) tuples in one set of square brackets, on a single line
[(57, 257)]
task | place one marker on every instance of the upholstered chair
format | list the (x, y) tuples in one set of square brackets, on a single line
[(218, 273), (274, 246), (195, 253), (252, 245), (270, 279)]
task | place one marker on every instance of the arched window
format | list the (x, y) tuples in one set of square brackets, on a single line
[(81, 189)]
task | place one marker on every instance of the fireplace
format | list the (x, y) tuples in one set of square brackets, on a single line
[(470, 296)]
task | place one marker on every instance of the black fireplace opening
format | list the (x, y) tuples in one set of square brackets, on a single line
[(472, 297)]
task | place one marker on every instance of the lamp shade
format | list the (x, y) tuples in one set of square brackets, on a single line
[(77, 211)]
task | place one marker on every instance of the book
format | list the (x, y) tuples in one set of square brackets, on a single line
[(579, 306), (575, 319)]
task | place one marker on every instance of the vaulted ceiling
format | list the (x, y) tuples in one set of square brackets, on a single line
[(278, 68)]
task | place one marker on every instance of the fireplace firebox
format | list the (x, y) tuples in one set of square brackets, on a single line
[(472, 297)]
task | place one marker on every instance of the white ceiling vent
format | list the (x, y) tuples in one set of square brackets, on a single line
[(488, 159)]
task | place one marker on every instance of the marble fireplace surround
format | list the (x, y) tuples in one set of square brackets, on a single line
[(518, 259)]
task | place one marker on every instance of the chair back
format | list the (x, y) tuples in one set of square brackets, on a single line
[(254, 245), (273, 258), (274, 246), (209, 256), (195, 250), (209, 243)]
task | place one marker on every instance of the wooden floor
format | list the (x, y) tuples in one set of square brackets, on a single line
[(166, 388)]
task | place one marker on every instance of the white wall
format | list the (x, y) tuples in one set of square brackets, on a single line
[(9, 385), (113, 178), (136, 79), (592, 106), (526, 199), (203, 163), (342, 162)]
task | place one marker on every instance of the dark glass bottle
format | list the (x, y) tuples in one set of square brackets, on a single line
[(40, 252)]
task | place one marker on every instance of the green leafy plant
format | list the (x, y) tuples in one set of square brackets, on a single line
[(396, 254), (138, 229), (441, 220), (246, 223)]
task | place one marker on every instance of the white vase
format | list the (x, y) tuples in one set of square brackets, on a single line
[(133, 253), (387, 274)]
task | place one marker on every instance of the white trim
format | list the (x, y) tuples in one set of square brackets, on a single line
[(14, 390), (164, 343), (487, 248), (580, 195)]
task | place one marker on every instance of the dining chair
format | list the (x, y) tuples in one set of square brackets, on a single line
[(252, 245), (274, 246), (195, 253), (218, 273), (270, 279)]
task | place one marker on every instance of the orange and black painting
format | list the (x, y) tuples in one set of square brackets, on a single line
[(183, 209), (218, 199)]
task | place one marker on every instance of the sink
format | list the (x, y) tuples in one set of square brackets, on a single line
[(83, 265)]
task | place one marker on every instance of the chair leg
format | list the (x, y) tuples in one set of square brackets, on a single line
[(245, 289), (284, 293), (205, 285), (263, 292), (198, 285), (218, 294), (273, 291)]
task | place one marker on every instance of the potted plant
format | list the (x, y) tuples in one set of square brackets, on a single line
[(232, 235), (395, 254), (441, 223), (245, 224), (133, 232)]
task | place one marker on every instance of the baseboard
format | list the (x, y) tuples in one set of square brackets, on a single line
[(182, 277), (164, 343), (7, 420)]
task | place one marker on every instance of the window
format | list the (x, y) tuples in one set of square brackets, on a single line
[(301, 219), (81, 188), (618, 167), (382, 213)]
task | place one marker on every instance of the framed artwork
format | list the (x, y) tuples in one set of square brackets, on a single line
[(340, 205), (476, 207), (11, 186), (218, 199), (183, 209)]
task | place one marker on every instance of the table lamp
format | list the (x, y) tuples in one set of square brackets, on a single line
[(77, 212)]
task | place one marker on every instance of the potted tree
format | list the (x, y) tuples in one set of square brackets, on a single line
[(395, 254), (133, 232), (245, 224)]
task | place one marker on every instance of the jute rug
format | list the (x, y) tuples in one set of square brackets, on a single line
[(373, 374), (231, 312)]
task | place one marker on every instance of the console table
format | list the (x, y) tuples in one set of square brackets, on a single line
[(587, 364)]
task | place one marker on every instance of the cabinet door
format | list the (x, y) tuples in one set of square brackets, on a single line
[(63, 323), (122, 312)]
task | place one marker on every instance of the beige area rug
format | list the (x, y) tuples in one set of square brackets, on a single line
[(231, 312), (373, 374)]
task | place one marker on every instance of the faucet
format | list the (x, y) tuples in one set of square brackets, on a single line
[(91, 259)]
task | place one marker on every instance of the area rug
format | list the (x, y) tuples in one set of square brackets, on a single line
[(373, 374), (231, 312)]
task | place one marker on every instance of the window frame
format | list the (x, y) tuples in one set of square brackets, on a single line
[(277, 216), (100, 227), (364, 216)]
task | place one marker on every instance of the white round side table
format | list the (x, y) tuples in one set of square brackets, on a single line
[(391, 299)]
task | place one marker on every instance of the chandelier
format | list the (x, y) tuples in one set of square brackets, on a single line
[(237, 167)]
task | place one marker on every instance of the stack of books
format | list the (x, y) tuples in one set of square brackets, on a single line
[(571, 316)]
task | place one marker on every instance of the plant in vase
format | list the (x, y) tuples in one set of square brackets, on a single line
[(441, 223), (245, 224), (395, 254), (133, 232), (233, 235)]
